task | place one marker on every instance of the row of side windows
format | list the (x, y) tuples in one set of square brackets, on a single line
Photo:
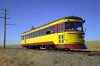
[(39, 33)]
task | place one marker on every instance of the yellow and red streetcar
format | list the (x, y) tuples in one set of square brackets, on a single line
[(64, 33)]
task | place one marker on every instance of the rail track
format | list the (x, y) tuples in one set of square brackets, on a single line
[(89, 53), (83, 52)]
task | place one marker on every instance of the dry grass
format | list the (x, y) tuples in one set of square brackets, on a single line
[(93, 45), (24, 57)]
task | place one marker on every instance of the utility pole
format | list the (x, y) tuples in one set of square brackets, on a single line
[(5, 17), (5, 14), (5, 28)]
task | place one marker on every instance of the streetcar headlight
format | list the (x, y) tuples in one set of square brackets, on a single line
[(81, 36)]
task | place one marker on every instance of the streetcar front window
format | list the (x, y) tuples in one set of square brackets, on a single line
[(76, 26), (70, 26), (79, 26)]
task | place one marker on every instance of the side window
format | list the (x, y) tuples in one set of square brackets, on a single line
[(60, 27), (32, 34), (52, 29), (21, 37), (40, 32), (47, 31), (29, 35), (44, 32), (36, 34), (25, 36)]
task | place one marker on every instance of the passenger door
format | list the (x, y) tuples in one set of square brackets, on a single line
[(61, 28)]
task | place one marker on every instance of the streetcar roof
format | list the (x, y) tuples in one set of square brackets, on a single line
[(61, 20)]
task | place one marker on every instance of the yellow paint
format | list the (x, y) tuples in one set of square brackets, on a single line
[(73, 37), (69, 38)]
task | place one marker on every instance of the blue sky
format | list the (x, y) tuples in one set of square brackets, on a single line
[(25, 13)]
